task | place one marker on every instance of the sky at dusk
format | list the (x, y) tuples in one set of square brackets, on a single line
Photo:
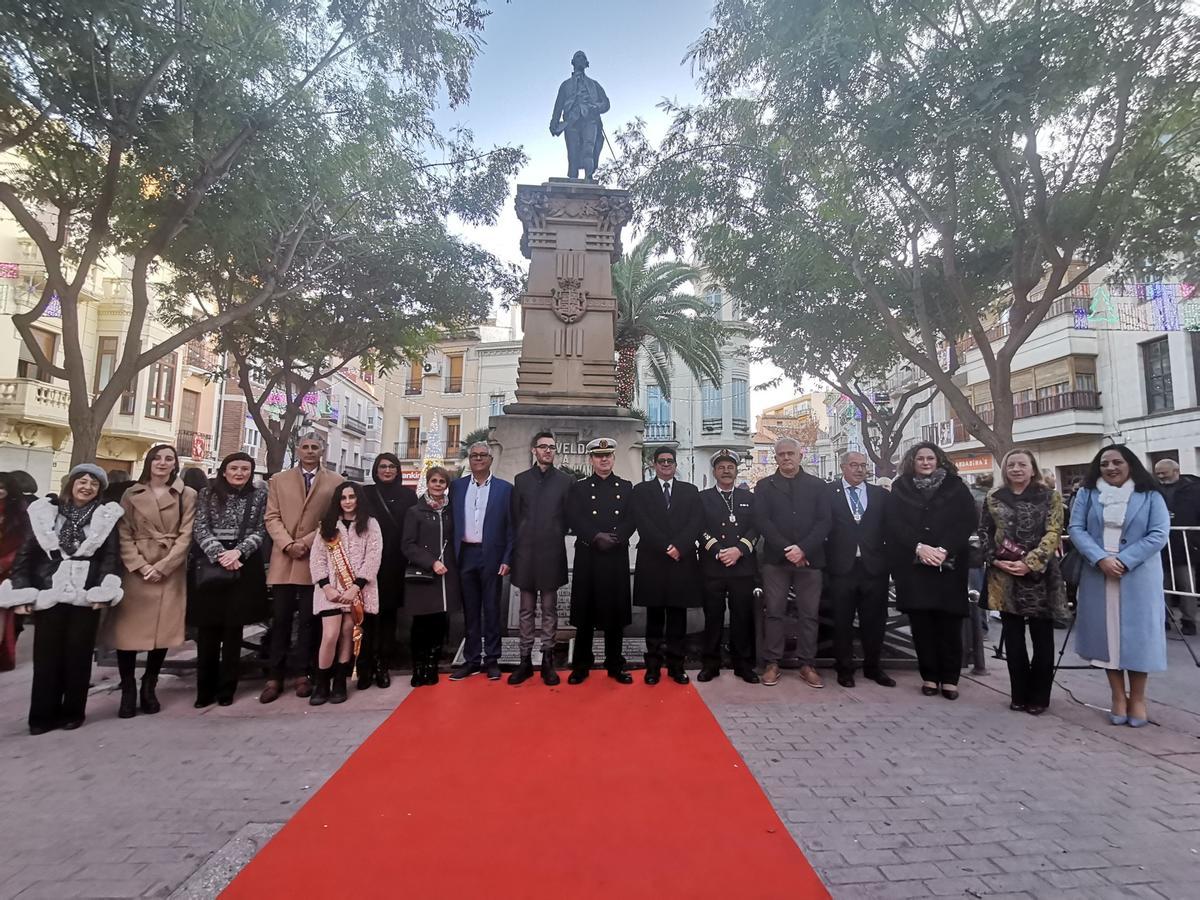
[(636, 51)]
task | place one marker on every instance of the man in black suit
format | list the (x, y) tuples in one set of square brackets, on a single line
[(792, 511), (857, 572), (728, 566), (666, 578)]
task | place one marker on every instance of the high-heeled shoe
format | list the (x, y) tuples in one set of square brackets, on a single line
[(1118, 720), (1135, 722)]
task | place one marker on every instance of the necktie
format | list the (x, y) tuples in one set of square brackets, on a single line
[(308, 479), (855, 503), (667, 493)]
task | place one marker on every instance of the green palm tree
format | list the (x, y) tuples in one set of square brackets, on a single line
[(655, 319)]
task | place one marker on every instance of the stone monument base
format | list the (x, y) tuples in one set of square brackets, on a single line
[(574, 427)]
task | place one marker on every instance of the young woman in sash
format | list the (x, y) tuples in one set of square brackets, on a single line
[(345, 564)]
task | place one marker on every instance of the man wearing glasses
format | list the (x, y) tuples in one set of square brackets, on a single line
[(857, 573), (539, 566), (480, 506), (666, 578)]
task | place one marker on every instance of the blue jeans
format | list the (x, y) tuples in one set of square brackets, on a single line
[(481, 606)]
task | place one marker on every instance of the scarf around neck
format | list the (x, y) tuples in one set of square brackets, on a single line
[(75, 521), (1114, 501), (927, 484)]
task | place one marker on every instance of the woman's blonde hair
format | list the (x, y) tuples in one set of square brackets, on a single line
[(1035, 478)]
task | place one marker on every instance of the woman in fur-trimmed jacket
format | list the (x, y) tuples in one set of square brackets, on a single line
[(67, 571)]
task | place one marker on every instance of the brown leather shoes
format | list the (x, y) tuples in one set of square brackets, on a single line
[(810, 677), (271, 692), (304, 686), (770, 676)]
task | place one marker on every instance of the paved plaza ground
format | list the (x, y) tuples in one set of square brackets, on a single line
[(889, 794)]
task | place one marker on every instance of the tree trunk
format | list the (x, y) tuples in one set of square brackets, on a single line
[(85, 435), (626, 375), (276, 445)]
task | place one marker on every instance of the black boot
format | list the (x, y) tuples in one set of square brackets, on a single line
[(320, 693), (337, 693), (150, 704), (549, 673), (418, 672), (432, 658), (366, 675), (129, 699), (523, 672)]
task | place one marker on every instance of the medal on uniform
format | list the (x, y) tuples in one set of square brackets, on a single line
[(729, 503)]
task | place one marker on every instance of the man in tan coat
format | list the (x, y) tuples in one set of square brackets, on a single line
[(296, 501)]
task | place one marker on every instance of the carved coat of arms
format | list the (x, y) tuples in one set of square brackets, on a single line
[(569, 299)]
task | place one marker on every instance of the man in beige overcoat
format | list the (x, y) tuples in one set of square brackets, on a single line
[(296, 501)]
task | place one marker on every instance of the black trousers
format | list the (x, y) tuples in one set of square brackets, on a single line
[(1031, 681), (292, 601), (481, 606), (867, 595), (64, 637), (937, 638), (218, 659), (739, 591), (666, 627), (584, 659), (427, 636)]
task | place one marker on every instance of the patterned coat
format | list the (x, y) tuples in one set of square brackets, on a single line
[(365, 551), (1033, 520), (216, 528)]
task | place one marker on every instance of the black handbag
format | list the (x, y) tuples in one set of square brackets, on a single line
[(212, 575), (1072, 567), (417, 575)]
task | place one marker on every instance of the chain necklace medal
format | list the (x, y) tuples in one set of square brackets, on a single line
[(856, 509), (729, 502)]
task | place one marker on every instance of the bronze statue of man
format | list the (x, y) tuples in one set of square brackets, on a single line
[(577, 111)]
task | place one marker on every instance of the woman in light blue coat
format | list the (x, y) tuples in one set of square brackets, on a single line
[(1119, 523)]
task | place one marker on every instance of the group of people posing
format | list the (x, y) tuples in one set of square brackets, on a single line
[(339, 556)]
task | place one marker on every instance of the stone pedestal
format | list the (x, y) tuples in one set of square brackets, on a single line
[(573, 427), (572, 236)]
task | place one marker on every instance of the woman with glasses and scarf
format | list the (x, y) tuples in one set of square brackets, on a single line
[(433, 590), (65, 573), (389, 499), (928, 528), (156, 536), (229, 534)]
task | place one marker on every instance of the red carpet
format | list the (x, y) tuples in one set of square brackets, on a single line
[(482, 790)]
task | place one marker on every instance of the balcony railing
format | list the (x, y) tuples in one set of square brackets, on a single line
[(355, 424), (709, 426), (659, 431), (741, 426), (412, 389), (453, 385), (354, 473), (1063, 306), (193, 444), (954, 432), (409, 451), (34, 401), (200, 355)]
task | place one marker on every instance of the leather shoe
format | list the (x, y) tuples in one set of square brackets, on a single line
[(1035, 710), (549, 674), (577, 676), (652, 676), (75, 723), (40, 729), (493, 671), (708, 674), (883, 679), (522, 672), (679, 676), (271, 692), (810, 677), (383, 678), (224, 701), (749, 676), (770, 675), (846, 681), (304, 687), (621, 677), (202, 702)]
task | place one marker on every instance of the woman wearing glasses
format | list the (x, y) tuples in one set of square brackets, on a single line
[(432, 588)]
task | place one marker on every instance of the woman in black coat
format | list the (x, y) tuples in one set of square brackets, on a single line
[(65, 573), (929, 524), (388, 499), (428, 545)]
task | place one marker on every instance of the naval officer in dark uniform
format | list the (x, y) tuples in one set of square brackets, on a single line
[(729, 569), (598, 510)]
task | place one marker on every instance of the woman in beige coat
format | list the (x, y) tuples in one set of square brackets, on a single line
[(156, 534)]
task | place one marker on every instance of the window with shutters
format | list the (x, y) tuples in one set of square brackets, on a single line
[(710, 404), (26, 367), (160, 398), (454, 380)]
